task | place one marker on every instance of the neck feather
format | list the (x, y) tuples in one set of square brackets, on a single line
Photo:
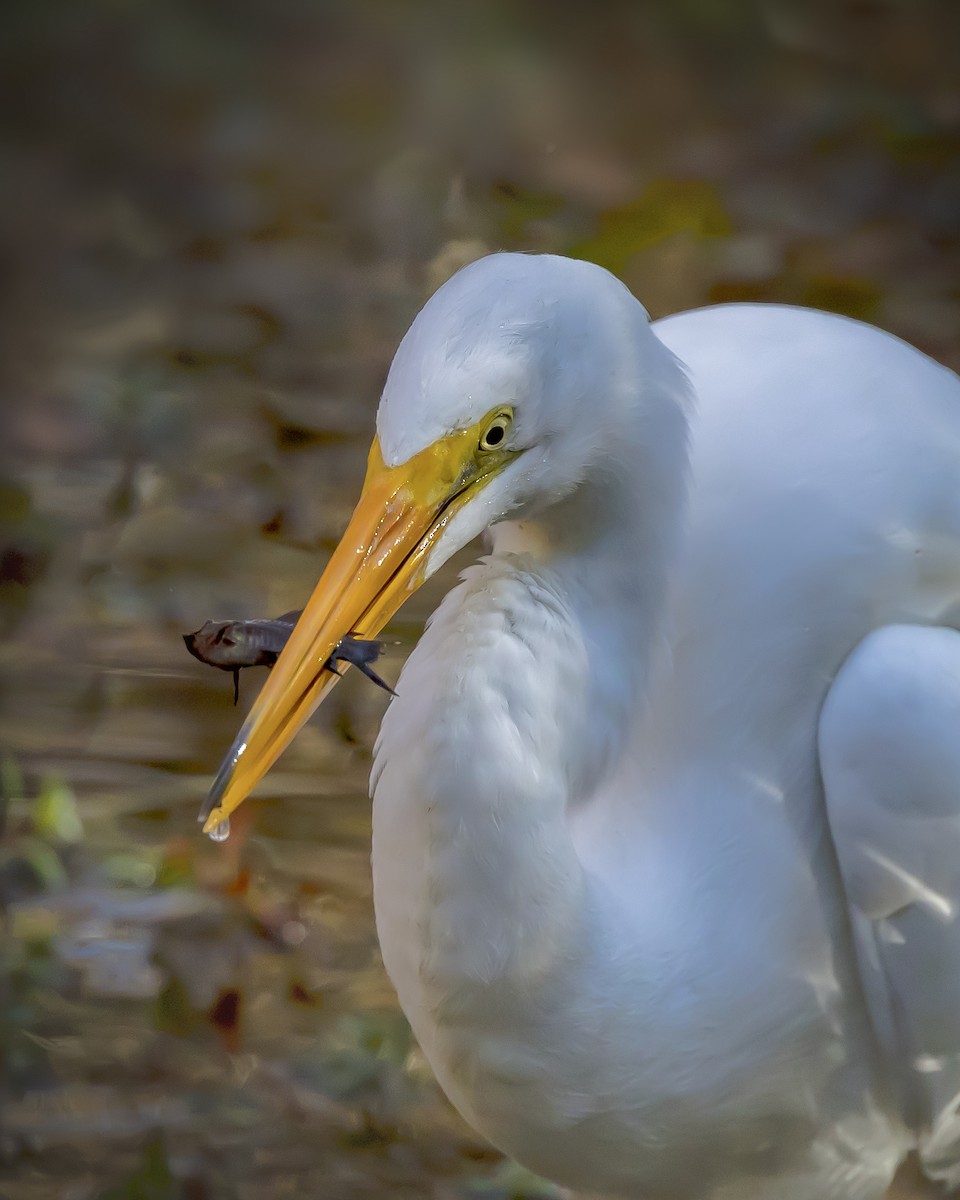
[(515, 704)]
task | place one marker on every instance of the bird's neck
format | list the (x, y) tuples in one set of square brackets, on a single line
[(511, 711), (604, 559)]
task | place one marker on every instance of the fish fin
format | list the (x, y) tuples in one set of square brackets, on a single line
[(374, 677)]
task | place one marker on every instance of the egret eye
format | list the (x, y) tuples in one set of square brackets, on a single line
[(496, 431)]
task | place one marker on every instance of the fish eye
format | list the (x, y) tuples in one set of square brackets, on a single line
[(496, 431)]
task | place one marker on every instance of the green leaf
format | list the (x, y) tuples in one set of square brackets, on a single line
[(667, 207), (854, 297), (512, 1182), (55, 814), (131, 870), (153, 1180), (519, 208), (173, 1012), (11, 780), (14, 502), (45, 862)]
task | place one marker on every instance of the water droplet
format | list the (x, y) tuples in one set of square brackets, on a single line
[(220, 833)]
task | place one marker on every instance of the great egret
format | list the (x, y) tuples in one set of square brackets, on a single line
[(667, 811)]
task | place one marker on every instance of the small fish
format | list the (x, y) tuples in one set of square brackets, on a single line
[(232, 645)]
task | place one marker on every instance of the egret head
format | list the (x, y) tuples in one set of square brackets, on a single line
[(533, 356), (511, 384)]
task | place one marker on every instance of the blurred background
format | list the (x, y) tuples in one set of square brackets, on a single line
[(217, 219)]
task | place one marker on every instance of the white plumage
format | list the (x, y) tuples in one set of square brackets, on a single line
[(667, 812), (606, 873)]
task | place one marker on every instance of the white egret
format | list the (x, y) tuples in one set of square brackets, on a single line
[(667, 811)]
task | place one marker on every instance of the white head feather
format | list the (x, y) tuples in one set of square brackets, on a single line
[(570, 349)]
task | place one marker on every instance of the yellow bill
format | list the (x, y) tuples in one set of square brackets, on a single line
[(381, 560)]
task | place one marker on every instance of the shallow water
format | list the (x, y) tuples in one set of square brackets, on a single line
[(218, 224)]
